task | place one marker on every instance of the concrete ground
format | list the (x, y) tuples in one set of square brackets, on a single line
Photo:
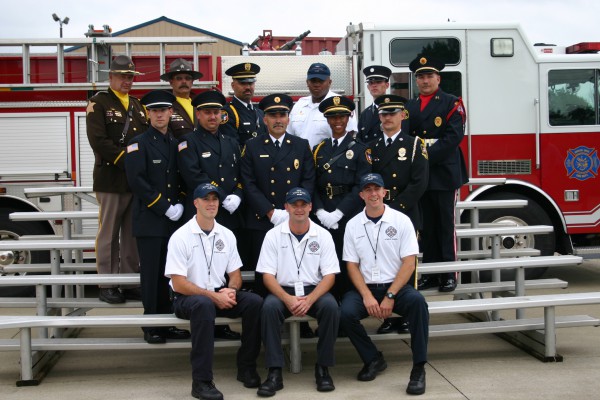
[(463, 367)]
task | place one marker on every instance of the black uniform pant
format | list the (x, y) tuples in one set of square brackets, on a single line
[(439, 227), (256, 239), (274, 312), (155, 286), (409, 303), (342, 283), (201, 312)]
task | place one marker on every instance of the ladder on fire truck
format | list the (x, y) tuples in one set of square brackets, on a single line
[(95, 46)]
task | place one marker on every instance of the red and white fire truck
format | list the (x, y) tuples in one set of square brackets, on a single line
[(533, 113)]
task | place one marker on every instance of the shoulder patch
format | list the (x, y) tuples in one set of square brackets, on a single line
[(224, 117), (132, 147), (182, 145), (90, 107)]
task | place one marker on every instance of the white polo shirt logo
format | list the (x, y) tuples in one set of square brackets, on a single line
[(391, 231), (219, 245), (313, 246)]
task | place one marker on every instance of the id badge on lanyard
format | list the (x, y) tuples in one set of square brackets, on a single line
[(298, 289), (209, 284)]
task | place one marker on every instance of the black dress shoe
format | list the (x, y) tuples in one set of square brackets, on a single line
[(154, 338), (111, 296), (324, 380), (305, 331), (403, 326), (224, 332), (132, 294), (249, 377), (448, 285), (176, 333), (206, 390), (427, 282), (370, 370), (416, 385), (389, 325), (272, 384)]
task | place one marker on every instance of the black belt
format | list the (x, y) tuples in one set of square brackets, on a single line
[(331, 191), (379, 285)]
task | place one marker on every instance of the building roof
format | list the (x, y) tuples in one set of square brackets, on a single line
[(172, 21)]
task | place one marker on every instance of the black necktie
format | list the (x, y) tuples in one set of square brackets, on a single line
[(335, 144), (250, 107), (277, 144), (388, 141)]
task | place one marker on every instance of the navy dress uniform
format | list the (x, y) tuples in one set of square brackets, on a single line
[(369, 126), (182, 121), (242, 121), (205, 157), (440, 123), (338, 172), (403, 165), (151, 167), (268, 173)]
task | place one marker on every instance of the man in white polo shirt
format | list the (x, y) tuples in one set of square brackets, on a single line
[(299, 263), (200, 253), (380, 248)]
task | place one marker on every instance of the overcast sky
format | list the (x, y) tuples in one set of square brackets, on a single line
[(551, 21)]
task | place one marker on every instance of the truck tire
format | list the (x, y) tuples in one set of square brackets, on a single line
[(11, 230), (532, 214)]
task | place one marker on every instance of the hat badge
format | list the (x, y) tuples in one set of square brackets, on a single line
[(336, 101), (130, 65), (387, 100), (277, 100), (423, 61), (182, 67), (247, 66), (372, 69)]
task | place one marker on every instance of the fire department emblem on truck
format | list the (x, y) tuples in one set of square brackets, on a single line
[(582, 163)]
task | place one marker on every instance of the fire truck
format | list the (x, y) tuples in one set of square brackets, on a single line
[(532, 113)]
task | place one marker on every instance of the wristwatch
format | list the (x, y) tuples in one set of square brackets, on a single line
[(390, 295)]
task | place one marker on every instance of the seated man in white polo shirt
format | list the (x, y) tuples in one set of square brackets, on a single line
[(199, 255), (299, 263)]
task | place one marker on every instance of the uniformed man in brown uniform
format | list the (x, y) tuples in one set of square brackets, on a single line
[(181, 77), (113, 118)]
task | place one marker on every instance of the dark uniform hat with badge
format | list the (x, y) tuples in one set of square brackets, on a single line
[(390, 103), (424, 65), (275, 103), (209, 99), (123, 65), (377, 73), (244, 72), (180, 66), (158, 99), (318, 71), (336, 105)]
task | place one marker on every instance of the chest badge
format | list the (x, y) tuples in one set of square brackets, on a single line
[(296, 163), (349, 154), (402, 154), (438, 121)]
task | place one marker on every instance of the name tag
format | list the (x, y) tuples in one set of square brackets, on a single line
[(156, 161), (375, 275), (210, 287), (298, 289), (264, 156), (206, 154)]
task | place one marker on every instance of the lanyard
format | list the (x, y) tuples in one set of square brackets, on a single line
[(296, 258), (211, 253), (376, 242)]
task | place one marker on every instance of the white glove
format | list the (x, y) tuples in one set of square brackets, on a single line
[(334, 226), (335, 217), (231, 203), (330, 219), (174, 212), (321, 214), (279, 216)]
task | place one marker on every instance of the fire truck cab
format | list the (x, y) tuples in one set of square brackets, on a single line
[(532, 118)]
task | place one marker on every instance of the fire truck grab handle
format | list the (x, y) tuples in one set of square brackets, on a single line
[(536, 104)]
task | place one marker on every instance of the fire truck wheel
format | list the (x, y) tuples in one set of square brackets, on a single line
[(10, 230), (532, 214)]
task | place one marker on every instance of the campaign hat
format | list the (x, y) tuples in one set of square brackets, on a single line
[(181, 66), (123, 65)]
